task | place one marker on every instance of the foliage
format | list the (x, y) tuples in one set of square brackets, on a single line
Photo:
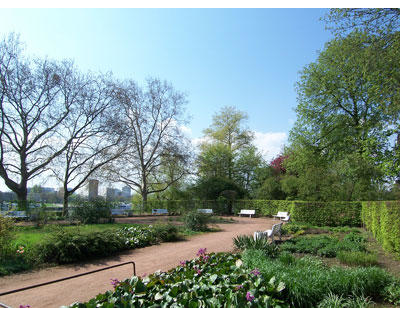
[(244, 242), (308, 281), (383, 220), (325, 246), (264, 207), (392, 293), (337, 301), (327, 213), (92, 212), (212, 280), (6, 235), (196, 221), (210, 188), (66, 246), (358, 258)]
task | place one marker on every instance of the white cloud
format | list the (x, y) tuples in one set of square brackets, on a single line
[(270, 144)]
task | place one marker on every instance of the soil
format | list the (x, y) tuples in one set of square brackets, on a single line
[(162, 257)]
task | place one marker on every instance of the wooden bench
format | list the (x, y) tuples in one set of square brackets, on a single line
[(205, 210), (270, 233), (247, 212), (159, 211)]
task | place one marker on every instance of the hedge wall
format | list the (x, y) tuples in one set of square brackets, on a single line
[(383, 220), (327, 213), (315, 213)]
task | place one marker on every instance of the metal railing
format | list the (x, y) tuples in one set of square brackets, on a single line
[(66, 278)]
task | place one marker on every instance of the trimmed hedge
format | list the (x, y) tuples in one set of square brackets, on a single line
[(314, 213), (327, 213), (383, 220), (264, 207)]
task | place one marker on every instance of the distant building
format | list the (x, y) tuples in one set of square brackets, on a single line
[(93, 189), (110, 194), (126, 192)]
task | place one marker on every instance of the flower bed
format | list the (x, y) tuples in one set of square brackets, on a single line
[(211, 280)]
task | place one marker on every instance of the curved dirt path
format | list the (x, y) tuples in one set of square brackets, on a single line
[(148, 260)]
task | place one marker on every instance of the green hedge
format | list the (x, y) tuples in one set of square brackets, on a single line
[(383, 220), (264, 207), (314, 213), (327, 213)]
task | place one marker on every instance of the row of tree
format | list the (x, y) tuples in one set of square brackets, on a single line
[(57, 121), (344, 144)]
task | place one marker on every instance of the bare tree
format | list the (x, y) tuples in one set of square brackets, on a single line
[(152, 118), (32, 108), (96, 138)]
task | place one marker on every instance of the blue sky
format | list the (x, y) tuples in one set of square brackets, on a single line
[(248, 58)]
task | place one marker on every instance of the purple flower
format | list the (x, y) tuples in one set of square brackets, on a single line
[(249, 297), (24, 306), (183, 263), (144, 275), (237, 288), (206, 258), (115, 282), (201, 252), (255, 272), (198, 271)]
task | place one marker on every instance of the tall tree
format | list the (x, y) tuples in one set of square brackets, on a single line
[(96, 138), (152, 118), (33, 105)]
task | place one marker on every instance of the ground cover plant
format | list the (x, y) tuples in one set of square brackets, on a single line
[(308, 280), (211, 280)]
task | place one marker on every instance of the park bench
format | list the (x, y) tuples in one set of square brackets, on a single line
[(281, 215), (270, 233), (159, 211), (205, 210), (119, 212), (247, 212)]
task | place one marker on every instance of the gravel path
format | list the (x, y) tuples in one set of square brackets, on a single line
[(148, 260)]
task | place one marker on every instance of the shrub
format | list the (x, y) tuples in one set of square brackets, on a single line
[(166, 232), (383, 220), (244, 242), (6, 236), (92, 212), (196, 221), (66, 246)]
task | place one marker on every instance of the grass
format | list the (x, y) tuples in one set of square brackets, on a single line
[(358, 258)]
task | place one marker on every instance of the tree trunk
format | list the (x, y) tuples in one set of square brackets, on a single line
[(22, 194), (65, 203), (144, 201)]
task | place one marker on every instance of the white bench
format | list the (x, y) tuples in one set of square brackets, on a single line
[(205, 210), (158, 211), (270, 233), (247, 212), (281, 215)]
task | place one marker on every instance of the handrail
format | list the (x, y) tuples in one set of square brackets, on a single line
[(67, 278)]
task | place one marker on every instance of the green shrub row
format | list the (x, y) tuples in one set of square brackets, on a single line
[(327, 213), (264, 207), (66, 246), (383, 220)]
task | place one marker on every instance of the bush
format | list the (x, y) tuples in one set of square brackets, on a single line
[(196, 221), (92, 212), (66, 246), (383, 220), (392, 293), (166, 232), (6, 236), (244, 242)]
